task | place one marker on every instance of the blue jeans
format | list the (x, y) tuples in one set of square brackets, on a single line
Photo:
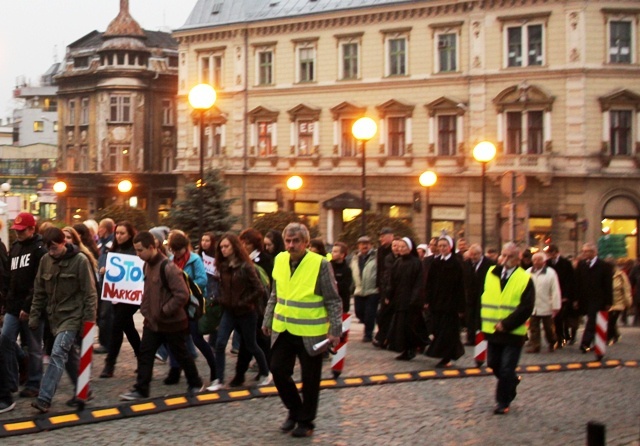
[(195, 339), (8, 346), (366, 309), (65, 355), (246, 326), (503, 360)]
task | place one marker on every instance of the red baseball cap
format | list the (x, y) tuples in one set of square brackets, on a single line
[(23, 221)]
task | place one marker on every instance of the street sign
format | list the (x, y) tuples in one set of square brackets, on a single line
[(513, 184)]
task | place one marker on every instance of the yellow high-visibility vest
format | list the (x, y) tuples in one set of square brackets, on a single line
[(497, 304), (298, 309)]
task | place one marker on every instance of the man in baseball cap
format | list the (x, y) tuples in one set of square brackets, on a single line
[(24, 256), (23, 221)]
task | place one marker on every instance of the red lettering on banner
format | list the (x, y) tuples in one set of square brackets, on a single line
[(110, 291)]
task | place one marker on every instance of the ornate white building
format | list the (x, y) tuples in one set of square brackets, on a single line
[(555, 85)]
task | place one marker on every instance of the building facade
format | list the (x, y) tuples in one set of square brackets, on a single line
[(117, 117), (555, 85)]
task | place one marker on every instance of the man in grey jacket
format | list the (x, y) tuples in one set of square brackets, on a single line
[(65, 288), (366, 295), (304, 309)]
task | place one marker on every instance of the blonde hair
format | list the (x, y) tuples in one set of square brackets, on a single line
[(83, 248)]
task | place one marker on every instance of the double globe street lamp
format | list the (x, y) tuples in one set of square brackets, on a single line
[(201, 98), (483, 153), (363, 130)]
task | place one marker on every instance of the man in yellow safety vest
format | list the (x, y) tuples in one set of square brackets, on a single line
[(507, 303), (304, 309)]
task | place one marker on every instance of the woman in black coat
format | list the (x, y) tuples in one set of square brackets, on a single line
[(445, 299), (405, 297)]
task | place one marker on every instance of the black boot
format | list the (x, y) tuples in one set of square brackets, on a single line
[(173, 377)]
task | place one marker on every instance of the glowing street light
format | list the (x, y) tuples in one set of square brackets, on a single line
[(294, 183), (59, 187), (201, 98), (125, 186), (483, 153), (363, 130), (427, 179)]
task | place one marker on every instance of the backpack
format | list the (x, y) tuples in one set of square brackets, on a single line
[(266, 282), (195, 306)]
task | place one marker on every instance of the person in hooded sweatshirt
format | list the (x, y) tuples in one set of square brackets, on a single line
[(64, 288), (24, 259)]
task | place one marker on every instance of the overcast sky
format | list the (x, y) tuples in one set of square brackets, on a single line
[(32, 32)]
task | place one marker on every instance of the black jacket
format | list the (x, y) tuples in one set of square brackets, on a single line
[(24, 259)]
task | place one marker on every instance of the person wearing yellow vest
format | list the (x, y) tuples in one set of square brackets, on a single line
[(507, 303), (304, 309)]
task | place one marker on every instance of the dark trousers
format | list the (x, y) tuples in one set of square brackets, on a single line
[(151, 340), (123, 324), (612, 328), (503, 360), (283, 358), (383, 319), (366, 308), (202, 345), (589, 329), (105, 322), (244, 355), (534, 331), (5, 388)]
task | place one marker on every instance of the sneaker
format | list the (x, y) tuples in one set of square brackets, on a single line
[(265, 380), (41, 405), (7, 407), (28, 392), (193, 390), (288, 425), (215, 386), (160, 358), (100, 350), (132, 396), (75, 401)]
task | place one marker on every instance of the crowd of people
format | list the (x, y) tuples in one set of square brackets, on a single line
[(284, 295)]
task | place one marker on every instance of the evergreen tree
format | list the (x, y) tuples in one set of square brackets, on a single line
[(185, 214)]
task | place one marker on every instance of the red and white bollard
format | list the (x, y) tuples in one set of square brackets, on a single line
[(602, 322), (480, 349), (337, 361), (86, 354)]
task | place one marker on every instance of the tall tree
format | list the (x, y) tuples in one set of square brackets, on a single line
[(185, 214)]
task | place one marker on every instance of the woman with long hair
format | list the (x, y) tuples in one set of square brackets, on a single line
[(122, 313), (87, 239), (191, 263), (71, 236), (273, 242), (241, 294)]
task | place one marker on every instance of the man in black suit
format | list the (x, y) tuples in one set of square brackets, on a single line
[(566, 321), (475, 272), (594, 280)]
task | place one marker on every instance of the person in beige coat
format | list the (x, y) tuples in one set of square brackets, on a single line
[(548, 303), (621, 301)]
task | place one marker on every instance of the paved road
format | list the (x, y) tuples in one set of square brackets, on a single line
[(551, 409)]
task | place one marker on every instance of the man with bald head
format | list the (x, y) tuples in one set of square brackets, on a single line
[(507, 303), (594, 282)]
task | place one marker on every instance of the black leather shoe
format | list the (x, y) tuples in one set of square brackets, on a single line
[(501, 410), (288, 425), (302, 430), (585, 349), (237, 381), (444, 364)]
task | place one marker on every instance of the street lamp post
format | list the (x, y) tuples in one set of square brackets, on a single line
[(5, 188), (201, 98), (124, 187), (427, 179), (483, 153), (294, 183), (363, 130)]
